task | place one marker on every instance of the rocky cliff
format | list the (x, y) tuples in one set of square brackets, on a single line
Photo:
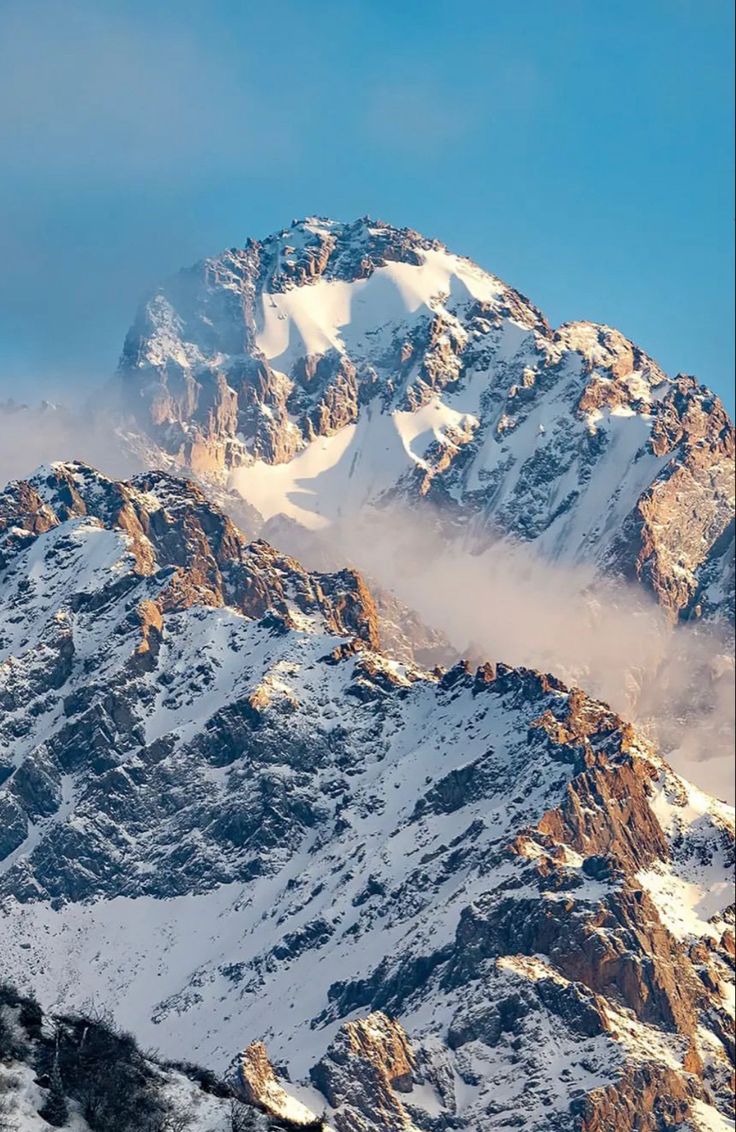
[(469, 898)]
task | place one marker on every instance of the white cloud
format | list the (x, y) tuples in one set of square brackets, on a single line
[(508, 604), (89, 90)]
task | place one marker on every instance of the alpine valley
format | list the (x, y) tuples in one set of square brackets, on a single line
[(265, 818)]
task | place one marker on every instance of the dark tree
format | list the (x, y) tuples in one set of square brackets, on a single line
[(56, 1110)]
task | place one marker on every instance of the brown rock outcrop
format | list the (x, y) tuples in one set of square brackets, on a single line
[(648, 1099), (364, 1071), (254, 1081)]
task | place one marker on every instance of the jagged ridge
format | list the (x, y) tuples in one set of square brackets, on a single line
[(201, 732)]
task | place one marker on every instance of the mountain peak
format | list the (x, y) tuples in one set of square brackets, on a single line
[(333, 365), (348, 229)]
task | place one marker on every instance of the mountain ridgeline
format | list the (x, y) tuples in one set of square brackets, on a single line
[(460, 898)]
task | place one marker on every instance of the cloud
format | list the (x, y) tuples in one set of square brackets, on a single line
[(87, 90), (35, 435), (508, 604)]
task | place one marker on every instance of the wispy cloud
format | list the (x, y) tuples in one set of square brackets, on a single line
[(88, 89), (41, 434), (509, 604)]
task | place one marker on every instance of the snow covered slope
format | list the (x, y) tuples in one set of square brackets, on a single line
[(439, 899), (335, 365)]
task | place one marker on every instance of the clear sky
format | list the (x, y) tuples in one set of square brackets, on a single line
[(580, 149)]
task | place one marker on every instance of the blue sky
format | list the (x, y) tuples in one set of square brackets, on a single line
[(580, 150)]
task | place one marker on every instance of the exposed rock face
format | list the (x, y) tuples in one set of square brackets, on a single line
[(364, 1072), (650, 1099), (446, 900), (689, 506), (376, 364), (361, 1076), (253, 1080)]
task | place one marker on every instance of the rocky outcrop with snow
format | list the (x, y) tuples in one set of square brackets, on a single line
[(468, 898), (334, 365)]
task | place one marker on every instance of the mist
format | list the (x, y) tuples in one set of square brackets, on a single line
[(506, 603), (675, 682), (41, 434)]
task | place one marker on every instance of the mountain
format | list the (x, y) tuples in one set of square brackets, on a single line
[(334, 365), (465, 898)]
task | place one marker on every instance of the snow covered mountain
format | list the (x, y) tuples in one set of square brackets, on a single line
[(466, 898), (332, 365)]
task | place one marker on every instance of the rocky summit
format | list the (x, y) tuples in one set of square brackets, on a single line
[(249, 809), (332, 366)]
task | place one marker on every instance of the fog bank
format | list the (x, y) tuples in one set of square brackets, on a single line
[(507, 603)]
